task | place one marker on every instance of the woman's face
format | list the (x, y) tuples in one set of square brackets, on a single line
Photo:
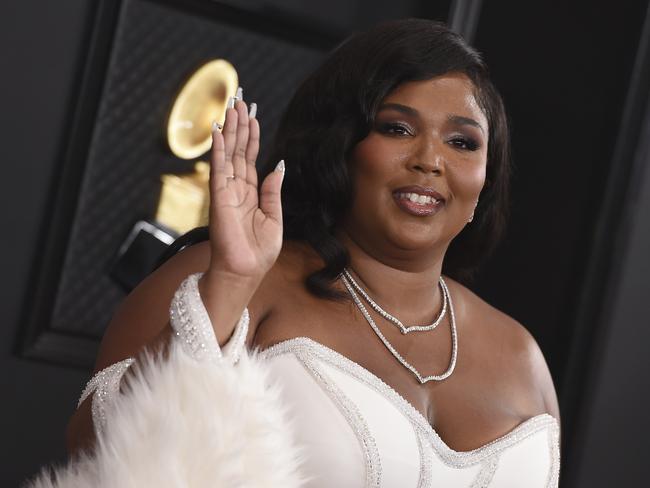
[(419, 172)]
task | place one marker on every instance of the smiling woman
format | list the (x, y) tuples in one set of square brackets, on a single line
[(346, 276), (338, 106), (420, 159)]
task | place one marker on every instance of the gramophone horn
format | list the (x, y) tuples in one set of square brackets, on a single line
[(202, 99)]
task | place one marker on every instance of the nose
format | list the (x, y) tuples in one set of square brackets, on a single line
[(429, 158)]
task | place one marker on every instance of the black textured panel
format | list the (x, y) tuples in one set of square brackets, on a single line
[(155, 49)]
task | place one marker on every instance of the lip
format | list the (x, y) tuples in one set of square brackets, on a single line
[(420, 190), (419, 209)]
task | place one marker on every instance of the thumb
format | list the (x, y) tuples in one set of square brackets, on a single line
[(270, 201)]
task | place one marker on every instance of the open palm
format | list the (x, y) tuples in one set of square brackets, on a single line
[(245, 229)]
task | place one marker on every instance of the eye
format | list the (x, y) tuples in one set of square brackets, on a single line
[(395, 128), (465, 143)]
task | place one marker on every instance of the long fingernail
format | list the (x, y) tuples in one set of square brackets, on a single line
[(253, 110), (239, 94), (231, 103), (280, 167), (216, 126)]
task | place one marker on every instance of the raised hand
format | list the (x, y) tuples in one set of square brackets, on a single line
[(245, 231)]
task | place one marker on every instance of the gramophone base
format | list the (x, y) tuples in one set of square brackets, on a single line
[(140, 252)]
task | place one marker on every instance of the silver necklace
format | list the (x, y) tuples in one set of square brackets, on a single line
[(393, 351), (391, 318)]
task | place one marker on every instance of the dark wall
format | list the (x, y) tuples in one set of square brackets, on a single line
[(40, 47), (564, 77), (564, 69), (574, 76), (613, 426)]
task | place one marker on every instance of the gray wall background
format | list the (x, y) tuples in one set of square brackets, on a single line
[(40, 47)]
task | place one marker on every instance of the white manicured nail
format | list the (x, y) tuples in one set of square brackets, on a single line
[(231, 103), (253, 110), (240, 93), (216, 126), (280, 166)]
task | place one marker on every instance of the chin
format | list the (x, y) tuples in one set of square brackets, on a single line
[(421, 234), (415, 238)]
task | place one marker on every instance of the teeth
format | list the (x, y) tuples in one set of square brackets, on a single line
[(416, 198)]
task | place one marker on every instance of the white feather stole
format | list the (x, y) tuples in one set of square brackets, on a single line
[(180, 423)]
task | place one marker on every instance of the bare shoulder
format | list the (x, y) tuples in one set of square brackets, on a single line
[(144, 313), (509, 344), (141, 320), (296, 260), (284, 300)]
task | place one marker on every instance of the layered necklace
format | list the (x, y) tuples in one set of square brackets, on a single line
[(404, 329), (353, 288)]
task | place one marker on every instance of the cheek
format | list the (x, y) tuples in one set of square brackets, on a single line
[(469, 178), (476, 179), (466, 186), (373, 161)]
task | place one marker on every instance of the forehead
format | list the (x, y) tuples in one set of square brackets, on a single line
[(451, 93)]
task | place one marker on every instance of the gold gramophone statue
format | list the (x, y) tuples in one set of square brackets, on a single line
[(185, 198)]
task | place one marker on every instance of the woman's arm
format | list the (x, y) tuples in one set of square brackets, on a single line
[(142, 322), (245, 239)]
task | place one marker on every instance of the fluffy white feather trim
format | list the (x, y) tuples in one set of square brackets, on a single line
[(180, 423)]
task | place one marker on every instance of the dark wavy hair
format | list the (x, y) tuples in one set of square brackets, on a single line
[(335, 108)]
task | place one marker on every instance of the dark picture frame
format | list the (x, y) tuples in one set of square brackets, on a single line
[(38, 339), (77, 345)]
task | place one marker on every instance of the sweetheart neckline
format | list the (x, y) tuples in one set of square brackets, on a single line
[(517, 433)]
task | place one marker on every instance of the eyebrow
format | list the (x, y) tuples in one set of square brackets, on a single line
[(399, 107), (455, 119), (460, 120)]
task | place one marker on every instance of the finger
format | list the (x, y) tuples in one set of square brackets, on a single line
[(217, 160), (270, 199), (252, 151), (239, 154), (230, 138)]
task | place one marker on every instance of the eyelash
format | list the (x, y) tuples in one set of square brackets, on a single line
[(470, 144), (390, 128)]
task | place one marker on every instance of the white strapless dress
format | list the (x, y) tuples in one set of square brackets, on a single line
[(356, 431), (229, 413)]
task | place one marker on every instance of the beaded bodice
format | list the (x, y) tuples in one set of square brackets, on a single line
[(352, 429), (357, 431)]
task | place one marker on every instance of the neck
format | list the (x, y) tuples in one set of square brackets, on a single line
[(403, 285)]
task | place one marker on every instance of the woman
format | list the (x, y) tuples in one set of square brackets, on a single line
[(397, 157)]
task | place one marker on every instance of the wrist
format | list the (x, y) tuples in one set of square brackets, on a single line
[(225, 297), (214, 283)]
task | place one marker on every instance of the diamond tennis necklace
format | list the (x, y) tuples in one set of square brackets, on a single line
[(393, 351), (404, 329)]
